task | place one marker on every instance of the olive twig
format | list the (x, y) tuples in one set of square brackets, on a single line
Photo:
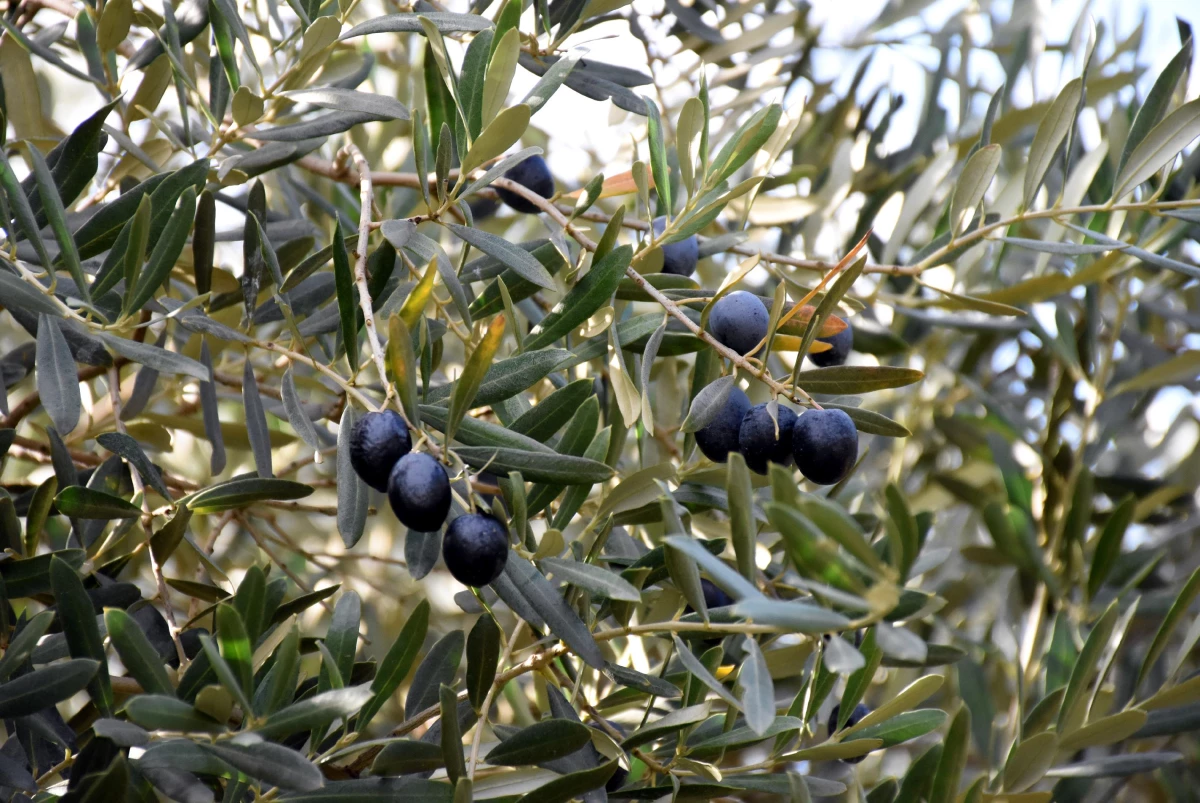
[(366, 203)]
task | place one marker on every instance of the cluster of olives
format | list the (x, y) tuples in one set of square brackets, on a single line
[(823, 443), (475, 548)]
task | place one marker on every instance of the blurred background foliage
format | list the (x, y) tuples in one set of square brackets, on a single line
[(1011, 584)]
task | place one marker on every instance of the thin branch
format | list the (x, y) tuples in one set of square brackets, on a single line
[(367, 203)]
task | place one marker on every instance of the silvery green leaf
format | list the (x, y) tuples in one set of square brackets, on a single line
[(898, 642), (1162, 144), (323, 126), (841, 657), (723, 575), (513, 257), (444, 21), (550, 606), (1067, 249), (295, 411), (699, 671), (1051, 132), (350, 100), (163, 361), (758, 690), (256, 421), (708, 403), (121, 444), (208, 407), (598, 581), (57, 377), (551, 80), (796, 617), (352, 491)]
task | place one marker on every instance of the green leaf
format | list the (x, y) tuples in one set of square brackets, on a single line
[(406, 757), (911, 695), (342, 638), (485, 179), (708, 402), (743, 527), (88, 503), (591, 293), (1158, 99), (238, 493), (121, 444), (444, 21), (438, 668), (658, 155), (502, 65), (498, 136), (1108, 544), (137, 653), (167, 362), (737, 586), (758, 690), (796, 617), (271, 763), (517, 259), (236, 649), (859, 680), (1051, 132), (699, 671), (550, 414), (903, 727), (451, 735), (554, 77), (31, 576), (1177, 611), (353, 493), (1119, 766), (969, 190), (539, 743), (1104, 731), (742, 146), (597, 581), (347, 306), (19, 204), (57, 380), (473, 373), (536, 466), (167, 249), (279, 686), (52, 207), (953, 760), (483, 656), (571, 786), (396, 663), (23, 643), (315, 712), (669, 723), (477, 432), (1028, 761), (549, 604), (854, 379), (43, 688), (1180, 369), (1162, 144), (111, 227)]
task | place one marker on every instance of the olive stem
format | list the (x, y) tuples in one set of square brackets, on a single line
[(366, 203)]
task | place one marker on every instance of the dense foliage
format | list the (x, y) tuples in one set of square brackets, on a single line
[(596, 385)]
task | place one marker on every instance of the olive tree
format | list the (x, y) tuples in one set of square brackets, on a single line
[(783, 462)]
